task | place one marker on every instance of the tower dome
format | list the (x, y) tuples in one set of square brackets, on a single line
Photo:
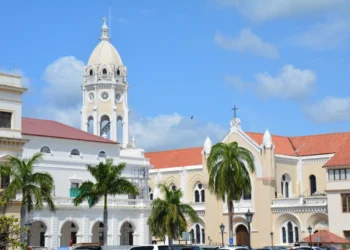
[(105, 56)]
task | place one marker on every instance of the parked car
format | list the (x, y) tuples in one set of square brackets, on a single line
[(210, 247), (37, 248), (233, 247), (151, 247), (87, 248)]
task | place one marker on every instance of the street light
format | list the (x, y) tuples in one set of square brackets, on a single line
[(222, 229), (310, 231), (271, 234), (249, 218)]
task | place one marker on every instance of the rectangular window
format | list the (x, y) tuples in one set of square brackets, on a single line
[(331, 175), (74, 190), (348, 174), (343, 174), (345, 199), (5, 119), (347, 235), (74, 185)]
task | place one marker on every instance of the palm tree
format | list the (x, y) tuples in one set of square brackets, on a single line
[(109, 181), (168, 215), (35, 187), (228, 175)]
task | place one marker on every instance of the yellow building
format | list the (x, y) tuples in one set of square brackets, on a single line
[(299, 182)]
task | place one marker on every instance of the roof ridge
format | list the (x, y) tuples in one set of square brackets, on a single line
[(65, 125)]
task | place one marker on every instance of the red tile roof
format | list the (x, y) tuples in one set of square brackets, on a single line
[(337, 143), (48, 128), (176, 158), (326, 237)]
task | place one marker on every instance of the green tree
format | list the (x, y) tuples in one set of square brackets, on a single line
[(108, 181), (228, 175), (35, 187), (168, 215), (10, 233)]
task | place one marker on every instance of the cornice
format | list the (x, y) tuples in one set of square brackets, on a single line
[(299, 210)]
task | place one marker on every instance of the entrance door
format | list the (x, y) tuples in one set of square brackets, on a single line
[(242, 237)]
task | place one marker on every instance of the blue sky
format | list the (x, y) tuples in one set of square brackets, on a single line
[(285, 63)]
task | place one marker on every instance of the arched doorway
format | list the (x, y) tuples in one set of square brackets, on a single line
[(37, 234), (242, 237), (126, 234), (69, 232), (97, 233)]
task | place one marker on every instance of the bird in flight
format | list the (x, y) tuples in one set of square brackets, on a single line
[(191, 117)]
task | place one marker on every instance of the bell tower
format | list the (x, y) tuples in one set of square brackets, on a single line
[(105, 110)]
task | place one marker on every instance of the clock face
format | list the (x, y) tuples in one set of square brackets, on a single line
[(91, 96), (104, 95), (118, 97)]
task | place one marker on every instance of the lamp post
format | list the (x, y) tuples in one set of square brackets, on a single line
[(249, 218), (271, 234), (222, 229), (310, 231)]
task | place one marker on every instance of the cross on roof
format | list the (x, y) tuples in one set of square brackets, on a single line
[(234, 111)]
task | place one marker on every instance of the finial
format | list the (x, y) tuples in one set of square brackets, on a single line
[(234, 111), (267, 139), (104, 29), (207, 145), (104, 135)]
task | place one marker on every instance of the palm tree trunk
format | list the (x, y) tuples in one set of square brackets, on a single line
[(22, 224), (105, 224), (230, 217)]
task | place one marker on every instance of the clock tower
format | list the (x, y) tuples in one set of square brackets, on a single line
[(105, 110)]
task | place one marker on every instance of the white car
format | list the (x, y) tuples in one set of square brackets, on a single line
[(230, 247)]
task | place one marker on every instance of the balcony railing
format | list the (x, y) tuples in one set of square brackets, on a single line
[(300, 201)]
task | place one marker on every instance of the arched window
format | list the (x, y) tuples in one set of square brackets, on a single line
[(285, 186), (75, 152), (284, 238), (198, 234), (192, 236), (290, 232), (247, 195), (102, 154), (150, 194), (199, 193), (91, 72), (5, 181), (203, 236), (313, 186), (104, 71), (118, 72), (45, 149), (196, 196), (173, 187), (90, 124)]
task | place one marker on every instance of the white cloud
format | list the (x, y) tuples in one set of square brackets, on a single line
[(276, 9), (247, 41), (64, 78), (173, 131), (235, 81), (290, 83), (330, 109), (69, 116), (332, 33)]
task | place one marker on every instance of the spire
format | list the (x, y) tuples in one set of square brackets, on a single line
[(104, 29), (267, 139)]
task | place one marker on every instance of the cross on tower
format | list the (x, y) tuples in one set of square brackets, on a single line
[(235, 111)]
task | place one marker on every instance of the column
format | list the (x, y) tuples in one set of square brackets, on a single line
[(126, 128), (86, 230), (114, 124), (55, 240), (183, 184)]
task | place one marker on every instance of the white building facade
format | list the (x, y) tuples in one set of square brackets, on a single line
[(67, 150)]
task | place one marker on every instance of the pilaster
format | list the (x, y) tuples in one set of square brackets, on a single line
[(86, 230), (55, 240)]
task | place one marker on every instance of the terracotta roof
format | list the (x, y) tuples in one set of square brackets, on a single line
[(337, 143), (282, 144), (326, 237), (48, 128), (176, 158)]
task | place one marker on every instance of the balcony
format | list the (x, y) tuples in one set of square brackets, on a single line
[(197, 206), (317, 203)]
